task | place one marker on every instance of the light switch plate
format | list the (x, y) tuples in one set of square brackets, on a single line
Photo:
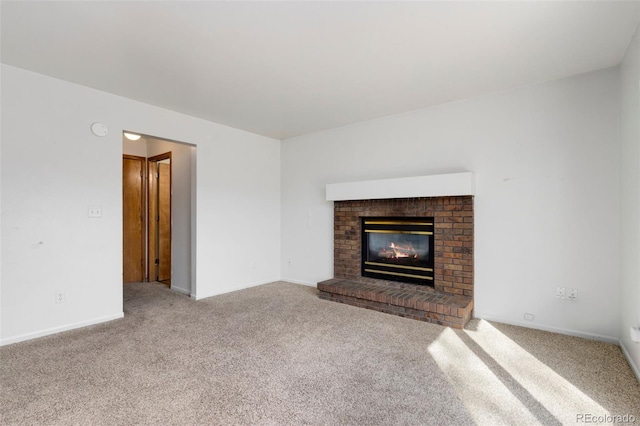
[(95, 212)]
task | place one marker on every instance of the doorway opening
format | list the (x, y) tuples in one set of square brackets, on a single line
[(168, 212)]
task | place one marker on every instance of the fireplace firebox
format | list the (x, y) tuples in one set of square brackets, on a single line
[(398, 249)]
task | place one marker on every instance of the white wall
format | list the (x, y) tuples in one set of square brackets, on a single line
[(547, 194), (137, 148), (1, 210), (630, 201), (53, 168), (180, 209)]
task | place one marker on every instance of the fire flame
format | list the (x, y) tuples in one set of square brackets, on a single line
[(399, 251)]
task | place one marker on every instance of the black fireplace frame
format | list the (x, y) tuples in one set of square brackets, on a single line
[(423, 274)]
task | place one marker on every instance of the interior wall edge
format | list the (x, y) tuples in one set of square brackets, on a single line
[(632, 364), (232, 289)]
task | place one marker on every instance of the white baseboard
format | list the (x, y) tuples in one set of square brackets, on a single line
[(568, 332), (294, 281), (200, 296), (181, 290), (632, 364), (54, 330)]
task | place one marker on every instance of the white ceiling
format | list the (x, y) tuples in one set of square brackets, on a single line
[(283, 69)]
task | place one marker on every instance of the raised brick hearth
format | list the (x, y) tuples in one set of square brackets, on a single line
[(424, 304), (450, 300)]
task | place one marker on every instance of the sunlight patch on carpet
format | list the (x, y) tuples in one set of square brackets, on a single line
[(486, 398), (553, 392)]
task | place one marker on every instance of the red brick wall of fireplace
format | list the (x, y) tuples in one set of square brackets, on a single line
[(453, 237)]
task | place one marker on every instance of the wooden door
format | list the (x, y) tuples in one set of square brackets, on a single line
[(160, 218), (164, 222), (133, 218)]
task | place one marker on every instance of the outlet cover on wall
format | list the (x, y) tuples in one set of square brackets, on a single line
[(572, 294), (59, 297), (560, 292)]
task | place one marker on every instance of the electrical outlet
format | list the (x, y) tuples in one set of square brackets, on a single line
[(59, 297), (572, 294), (560, 292), (529, 317)]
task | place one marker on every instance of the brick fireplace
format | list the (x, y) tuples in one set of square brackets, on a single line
[(448, 301)]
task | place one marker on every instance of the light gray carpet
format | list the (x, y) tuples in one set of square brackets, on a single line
[(276, 354)]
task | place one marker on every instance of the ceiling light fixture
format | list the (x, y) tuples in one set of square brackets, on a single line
[(131, 136)]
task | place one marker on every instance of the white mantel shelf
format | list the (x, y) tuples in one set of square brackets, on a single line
[(447, 185)]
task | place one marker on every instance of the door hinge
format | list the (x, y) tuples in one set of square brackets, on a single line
[(158, 218), (157, 261)]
